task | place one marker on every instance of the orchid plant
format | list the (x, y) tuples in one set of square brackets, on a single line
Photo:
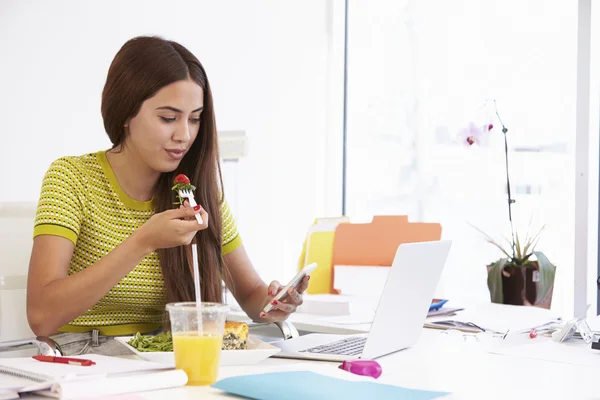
[(516, 253)]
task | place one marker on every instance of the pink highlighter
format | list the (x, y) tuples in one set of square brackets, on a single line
[(363, 367)]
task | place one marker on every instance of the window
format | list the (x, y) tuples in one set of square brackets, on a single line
[(419, 71)]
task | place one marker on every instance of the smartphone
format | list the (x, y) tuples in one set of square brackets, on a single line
[(283, 293)]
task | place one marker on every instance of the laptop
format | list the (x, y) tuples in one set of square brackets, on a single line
[(400, 314)]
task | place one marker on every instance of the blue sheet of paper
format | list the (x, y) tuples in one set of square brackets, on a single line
[(301, 385)]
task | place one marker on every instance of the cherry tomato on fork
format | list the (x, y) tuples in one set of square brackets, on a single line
[(181, 178)]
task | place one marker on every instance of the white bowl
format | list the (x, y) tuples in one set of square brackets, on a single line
[(256, 352)]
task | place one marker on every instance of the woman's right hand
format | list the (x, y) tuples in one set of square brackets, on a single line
[(171, 228)]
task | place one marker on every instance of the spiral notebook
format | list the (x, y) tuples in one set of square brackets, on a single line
[(110, 375)]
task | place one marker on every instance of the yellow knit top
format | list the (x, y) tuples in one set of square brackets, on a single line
[(82, 201)]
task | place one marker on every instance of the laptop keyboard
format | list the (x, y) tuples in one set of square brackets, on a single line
[(352, 346)]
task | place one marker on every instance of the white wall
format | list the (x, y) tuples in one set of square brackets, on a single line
[(593, 172), (273, 70)]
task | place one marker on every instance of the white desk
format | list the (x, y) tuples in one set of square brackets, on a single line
[(438, 362)]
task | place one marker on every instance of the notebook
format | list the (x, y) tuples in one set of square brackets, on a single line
[(110, 375), (292, 385)]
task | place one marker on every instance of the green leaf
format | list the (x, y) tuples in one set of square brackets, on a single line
[(492, 241), (149, 343), (509, 246), (547, 271), (179, 201), (518, 246), (533, 241), (494, 281), (525, 260), (183, 186), (527, 238)]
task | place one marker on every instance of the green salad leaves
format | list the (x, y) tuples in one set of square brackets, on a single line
[(147, 343)]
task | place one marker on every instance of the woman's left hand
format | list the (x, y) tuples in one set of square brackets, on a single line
[(282, 309)]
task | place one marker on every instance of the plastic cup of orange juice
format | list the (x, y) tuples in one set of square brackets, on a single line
[(197, 338)]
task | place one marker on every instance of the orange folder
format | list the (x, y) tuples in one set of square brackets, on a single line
[(375, 243)]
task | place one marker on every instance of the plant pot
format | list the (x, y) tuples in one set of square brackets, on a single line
[(520, 286)]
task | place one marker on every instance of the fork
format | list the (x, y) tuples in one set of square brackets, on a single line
[(187, 194)]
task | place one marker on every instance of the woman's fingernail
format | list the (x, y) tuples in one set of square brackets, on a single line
[(275, 302), (270, 293), (262, 315), (196, 208)]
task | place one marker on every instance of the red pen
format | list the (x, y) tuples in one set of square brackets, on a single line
[(65, 360)]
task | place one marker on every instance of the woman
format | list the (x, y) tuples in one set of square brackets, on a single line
[(109, 245)]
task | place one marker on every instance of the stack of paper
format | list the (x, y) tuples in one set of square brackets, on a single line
[(443, 311), (110, 375), (325, 304), (502, 318)]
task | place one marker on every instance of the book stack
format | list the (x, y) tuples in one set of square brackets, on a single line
[(108, 376)]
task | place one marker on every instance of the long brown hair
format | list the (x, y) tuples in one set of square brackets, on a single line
[(143, 66)]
